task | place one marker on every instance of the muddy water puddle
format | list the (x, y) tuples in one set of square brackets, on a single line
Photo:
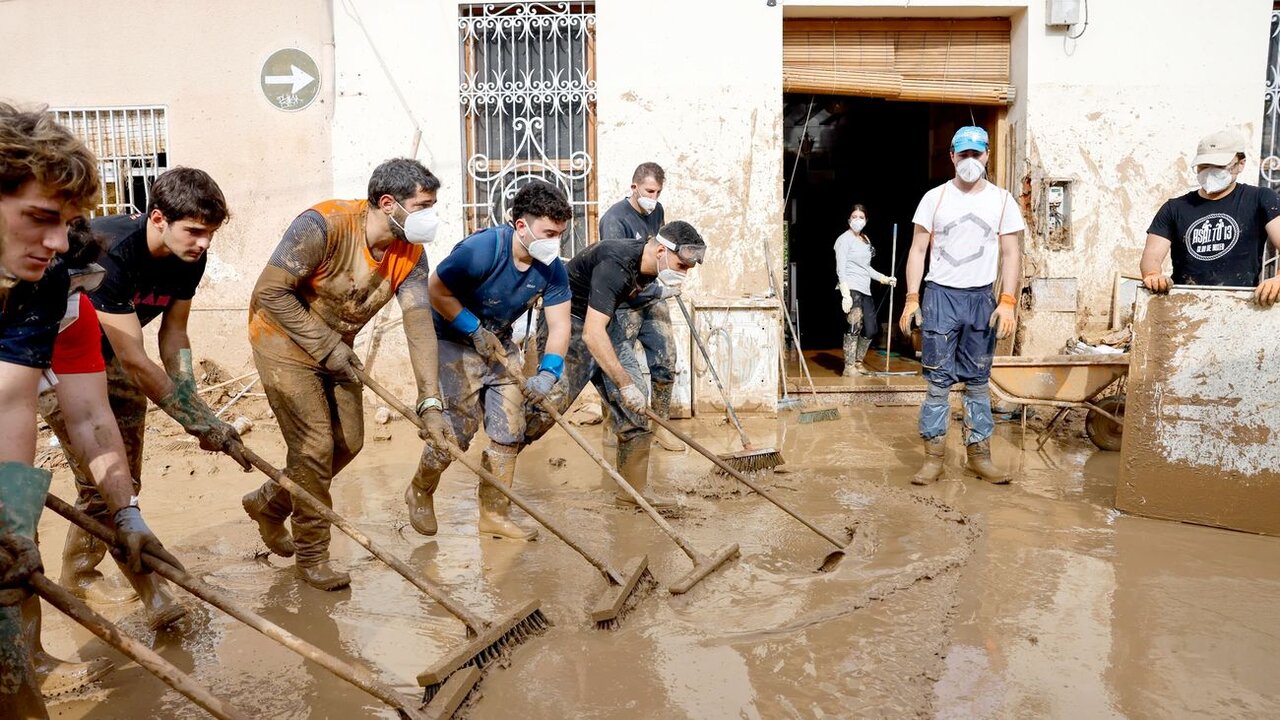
[(959, 600)]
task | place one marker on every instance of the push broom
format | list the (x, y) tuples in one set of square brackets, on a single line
[(625, 588), (491, 639), (703, 565), (820, 414), (750, 458)]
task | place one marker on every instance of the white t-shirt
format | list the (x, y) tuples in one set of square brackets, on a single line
[(966, 239)]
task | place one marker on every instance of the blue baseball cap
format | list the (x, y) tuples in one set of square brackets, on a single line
[(969, 137)]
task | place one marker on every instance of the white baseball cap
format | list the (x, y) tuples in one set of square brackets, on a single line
[(1220, 148)]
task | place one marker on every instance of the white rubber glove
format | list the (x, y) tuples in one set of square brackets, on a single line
[(846, 301), (633, 399), (888, 280)]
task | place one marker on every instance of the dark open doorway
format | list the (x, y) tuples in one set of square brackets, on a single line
[(879, 153)]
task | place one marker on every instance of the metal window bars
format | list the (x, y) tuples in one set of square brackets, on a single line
[(528, 99), (1269, 167), (132, 147)]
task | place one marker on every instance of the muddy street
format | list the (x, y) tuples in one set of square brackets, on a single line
[(959, 601)]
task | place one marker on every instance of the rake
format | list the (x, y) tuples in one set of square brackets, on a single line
[(750, 458), (625, 588), (491, 640)]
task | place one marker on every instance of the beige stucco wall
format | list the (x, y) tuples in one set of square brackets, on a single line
[(202, 62), (1120, 111)]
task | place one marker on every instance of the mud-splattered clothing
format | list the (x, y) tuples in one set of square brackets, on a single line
[(321, 286), (958, 345), (136, 282), (30, 318), (22, 492), (481, 273), (1217, 242), (581, 368), (606, 275)]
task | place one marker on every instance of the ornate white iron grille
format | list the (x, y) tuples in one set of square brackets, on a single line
[(528, 94), (1269, 169), (132, 146)]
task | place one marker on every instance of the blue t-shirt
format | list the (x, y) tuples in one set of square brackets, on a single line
[(481, 273)]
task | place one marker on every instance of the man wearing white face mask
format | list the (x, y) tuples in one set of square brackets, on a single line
[(648, 319), (488, 281), (601, 278), (1217, 233), (335, 268), (968, 229)]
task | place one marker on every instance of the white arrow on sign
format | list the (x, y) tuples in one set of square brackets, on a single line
[(298, 78)]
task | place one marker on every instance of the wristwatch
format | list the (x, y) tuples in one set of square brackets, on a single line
[(430, 404)]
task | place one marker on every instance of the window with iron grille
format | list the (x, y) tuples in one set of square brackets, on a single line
[(528, 95), (131, 144), (1269, 168)]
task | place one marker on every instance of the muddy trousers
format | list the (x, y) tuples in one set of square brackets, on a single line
[(580, 368), (129, 405), (863, 327), (475, 392), (322, 421), (958, 344), (22, 491), (651, 325)]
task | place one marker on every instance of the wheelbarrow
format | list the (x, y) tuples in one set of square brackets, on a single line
[(1066, 382)]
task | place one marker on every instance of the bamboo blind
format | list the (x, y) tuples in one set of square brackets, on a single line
[(922, 60)]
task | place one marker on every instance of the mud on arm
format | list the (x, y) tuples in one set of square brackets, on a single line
[(595, 333), (296, 258), (95, 435), (419, 330)]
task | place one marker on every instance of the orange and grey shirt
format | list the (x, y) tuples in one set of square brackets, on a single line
[(322, 284)]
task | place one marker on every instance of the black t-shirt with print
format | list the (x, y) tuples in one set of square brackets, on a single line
[(1217, 242), (30, 318), (136, 281), (605, 275)]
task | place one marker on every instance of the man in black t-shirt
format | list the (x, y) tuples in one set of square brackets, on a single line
[(601, 278), (1217, 233), (153, 264), (647, 319)]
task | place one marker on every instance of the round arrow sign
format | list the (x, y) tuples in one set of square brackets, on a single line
[(290, 79)]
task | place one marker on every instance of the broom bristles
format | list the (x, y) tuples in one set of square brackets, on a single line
[(497, 645), (645, 585), (820, 415), (752, 461)]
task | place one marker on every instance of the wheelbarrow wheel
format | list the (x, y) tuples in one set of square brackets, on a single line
[(1103, 431)]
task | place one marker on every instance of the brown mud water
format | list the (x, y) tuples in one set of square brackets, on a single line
[(961, 600)]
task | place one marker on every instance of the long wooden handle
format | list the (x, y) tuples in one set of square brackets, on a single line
[(489, 478), (586, 446), (697, 339), (75, 608), (786, 315), (474, 624), (359, 676), (741, 478)]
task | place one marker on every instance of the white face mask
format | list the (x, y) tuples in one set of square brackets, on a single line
[(419, 227), (969, 169), (646, 203), (1214, 180), (544, 250), (669, 277), (857, 224)]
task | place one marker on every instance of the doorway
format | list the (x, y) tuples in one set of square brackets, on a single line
[(884, 155)]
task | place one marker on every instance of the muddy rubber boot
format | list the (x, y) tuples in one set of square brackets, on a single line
[(852, 360), (495, 508), (979, 463), (56, 677), (633, 465), (935, 455), (81, 554), (421, 501), (323, 576), (661, 403), (162, 610), (271, 527)]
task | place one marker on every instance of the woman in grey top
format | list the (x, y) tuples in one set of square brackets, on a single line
[(854, 272)]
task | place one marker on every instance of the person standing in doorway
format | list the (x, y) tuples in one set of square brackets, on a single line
[(647, 318), (854, 272), (1218, 232), (969, 229)]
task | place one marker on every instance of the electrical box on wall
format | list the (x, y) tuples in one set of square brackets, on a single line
[(1061, 13), (1055, 217)]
